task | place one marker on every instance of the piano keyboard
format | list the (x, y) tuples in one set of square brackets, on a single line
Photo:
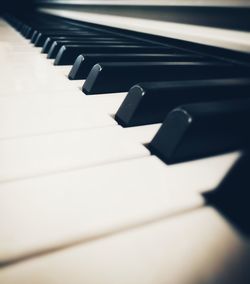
[(117, 152)]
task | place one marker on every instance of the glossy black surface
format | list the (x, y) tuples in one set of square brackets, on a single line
[(54, 49), (42, 37), (67, 40), (148, 103), (119, 77), (83, 64), (198, 130), (48, 32), (68, 54)]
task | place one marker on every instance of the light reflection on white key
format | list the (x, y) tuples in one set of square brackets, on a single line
[(55, 210)]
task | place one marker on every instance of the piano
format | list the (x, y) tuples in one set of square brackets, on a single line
[(124, 142)]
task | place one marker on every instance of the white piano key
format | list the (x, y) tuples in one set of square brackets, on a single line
[(38, 155), (51, 120), (88, 205), (9, 35), (196, 247), (38, 49), (143, 134), (204, 174), (46, 112), (23, 76), (28, 72), (57, 210), (28, 61), (64, 70), (108, 103), (21, 59), (59, 113), (31, 116), (13, 42), (21, 85), (21, 47)]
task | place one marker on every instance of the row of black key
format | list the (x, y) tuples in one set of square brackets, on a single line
[(206, 101)]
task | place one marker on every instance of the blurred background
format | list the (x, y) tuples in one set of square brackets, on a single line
[(17, 5)]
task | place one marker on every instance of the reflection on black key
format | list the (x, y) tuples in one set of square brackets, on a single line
[(41, 37), (28, 32), (57, 45), (84, 63), (119, 77), (50, 40), (33, 36), (48, 32), (148, 103), (199, 130), (67, 55)]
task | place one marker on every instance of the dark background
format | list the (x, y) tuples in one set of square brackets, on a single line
[(16, 5), (229, 17)]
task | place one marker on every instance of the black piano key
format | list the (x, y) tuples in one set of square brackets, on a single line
[(68, 54), (24, 29), (119, 77), (84, 63), (54, 49), (41, 38), (36, 33), (28, 33), (32, 28), (148, 103), (50, 40), (33, 36), (199, 130)]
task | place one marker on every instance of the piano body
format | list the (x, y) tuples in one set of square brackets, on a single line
[(124, 142)]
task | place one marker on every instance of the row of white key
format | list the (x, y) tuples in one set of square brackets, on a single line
[(197, 247), (84, 178), (38, 214)]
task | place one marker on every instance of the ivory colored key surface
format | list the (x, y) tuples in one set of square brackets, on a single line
[(29, 115), (32, 78), (8, 34), (27, 71), (16, 122), (109, 102), (196, 247), (45, 112), (142, 134), (134, 219), (106, 104), (57, 210), (45, 154)]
